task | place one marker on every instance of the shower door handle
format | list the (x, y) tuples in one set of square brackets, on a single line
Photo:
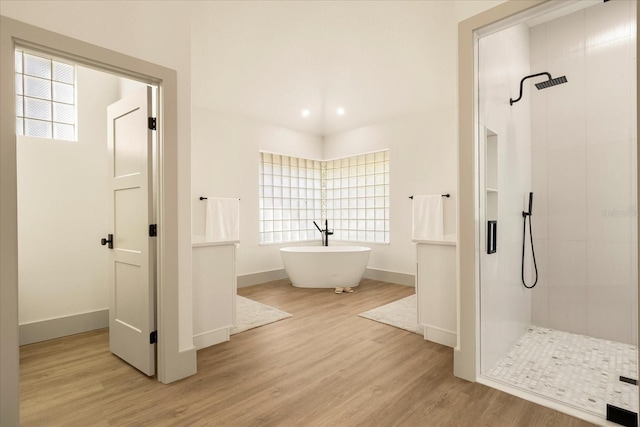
[(492, 237)]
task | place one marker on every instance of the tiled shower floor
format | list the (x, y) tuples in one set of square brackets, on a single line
[(575, 369)]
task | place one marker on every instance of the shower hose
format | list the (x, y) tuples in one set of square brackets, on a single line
[(533, 252)]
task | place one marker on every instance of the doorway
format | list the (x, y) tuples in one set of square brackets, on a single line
[(173, 363), (496, 305), (62, 215), (64, 280)]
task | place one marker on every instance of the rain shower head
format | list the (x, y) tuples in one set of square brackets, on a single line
[(542, 85), (551, 82)]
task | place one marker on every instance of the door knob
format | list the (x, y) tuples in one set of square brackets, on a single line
[(109, 240)]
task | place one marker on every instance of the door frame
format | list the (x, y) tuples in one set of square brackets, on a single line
[(466, 355), (172, 364)]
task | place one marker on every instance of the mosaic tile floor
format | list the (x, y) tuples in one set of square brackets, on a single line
[(575, 369)]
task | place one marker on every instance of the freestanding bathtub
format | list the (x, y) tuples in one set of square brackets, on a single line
[(325, 266)]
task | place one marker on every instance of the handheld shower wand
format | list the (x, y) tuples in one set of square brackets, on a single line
[(526, 215)]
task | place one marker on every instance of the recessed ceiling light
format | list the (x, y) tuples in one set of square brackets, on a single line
[(305, 113), (340, 111)]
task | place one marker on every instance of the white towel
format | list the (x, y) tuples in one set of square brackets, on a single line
[(428, 217), (222, 222)]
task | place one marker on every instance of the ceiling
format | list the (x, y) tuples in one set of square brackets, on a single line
[(270, 60)]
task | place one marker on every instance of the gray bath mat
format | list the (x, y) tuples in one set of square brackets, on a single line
[(252, 314), (402, 314)]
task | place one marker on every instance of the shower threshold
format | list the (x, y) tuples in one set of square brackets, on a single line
[(576, 370)]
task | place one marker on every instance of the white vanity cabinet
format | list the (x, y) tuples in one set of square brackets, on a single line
[(436, 289), (214, 291)]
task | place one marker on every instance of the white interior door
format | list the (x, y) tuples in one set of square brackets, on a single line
[(132, 256)]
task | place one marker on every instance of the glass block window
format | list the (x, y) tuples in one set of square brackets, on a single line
[(351, 193), (290, 198), (45, 97), (357, 202)]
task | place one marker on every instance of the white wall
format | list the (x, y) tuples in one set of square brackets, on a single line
[(584, 173), (62, 202), (422, 152), (225, 164), (505, 303)]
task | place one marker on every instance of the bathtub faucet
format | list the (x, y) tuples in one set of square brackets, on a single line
[(324, 233)]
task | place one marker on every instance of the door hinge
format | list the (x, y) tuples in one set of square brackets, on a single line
[(153, 230), (152, 123), (153, 337)]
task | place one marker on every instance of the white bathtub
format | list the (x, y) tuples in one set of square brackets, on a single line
[(325, 266)]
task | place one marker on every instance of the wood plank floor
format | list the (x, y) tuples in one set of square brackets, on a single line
[(325, 366)]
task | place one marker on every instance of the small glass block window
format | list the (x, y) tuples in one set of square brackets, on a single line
[(45, 97)]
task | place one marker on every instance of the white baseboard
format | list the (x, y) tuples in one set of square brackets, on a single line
[(262, 277), (371, 273), (209, 338), (62, 326), (391, 277), (440, 336)]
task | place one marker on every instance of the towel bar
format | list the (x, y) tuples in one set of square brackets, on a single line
[(204, 198), (411, 197)]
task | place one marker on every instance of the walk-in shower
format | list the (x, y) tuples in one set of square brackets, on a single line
[(559, 322)]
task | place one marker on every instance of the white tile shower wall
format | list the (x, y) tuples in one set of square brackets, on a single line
[(584, 173), (505, 304)]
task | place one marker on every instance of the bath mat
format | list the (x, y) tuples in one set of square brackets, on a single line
[(252, 314), (401, 314)]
